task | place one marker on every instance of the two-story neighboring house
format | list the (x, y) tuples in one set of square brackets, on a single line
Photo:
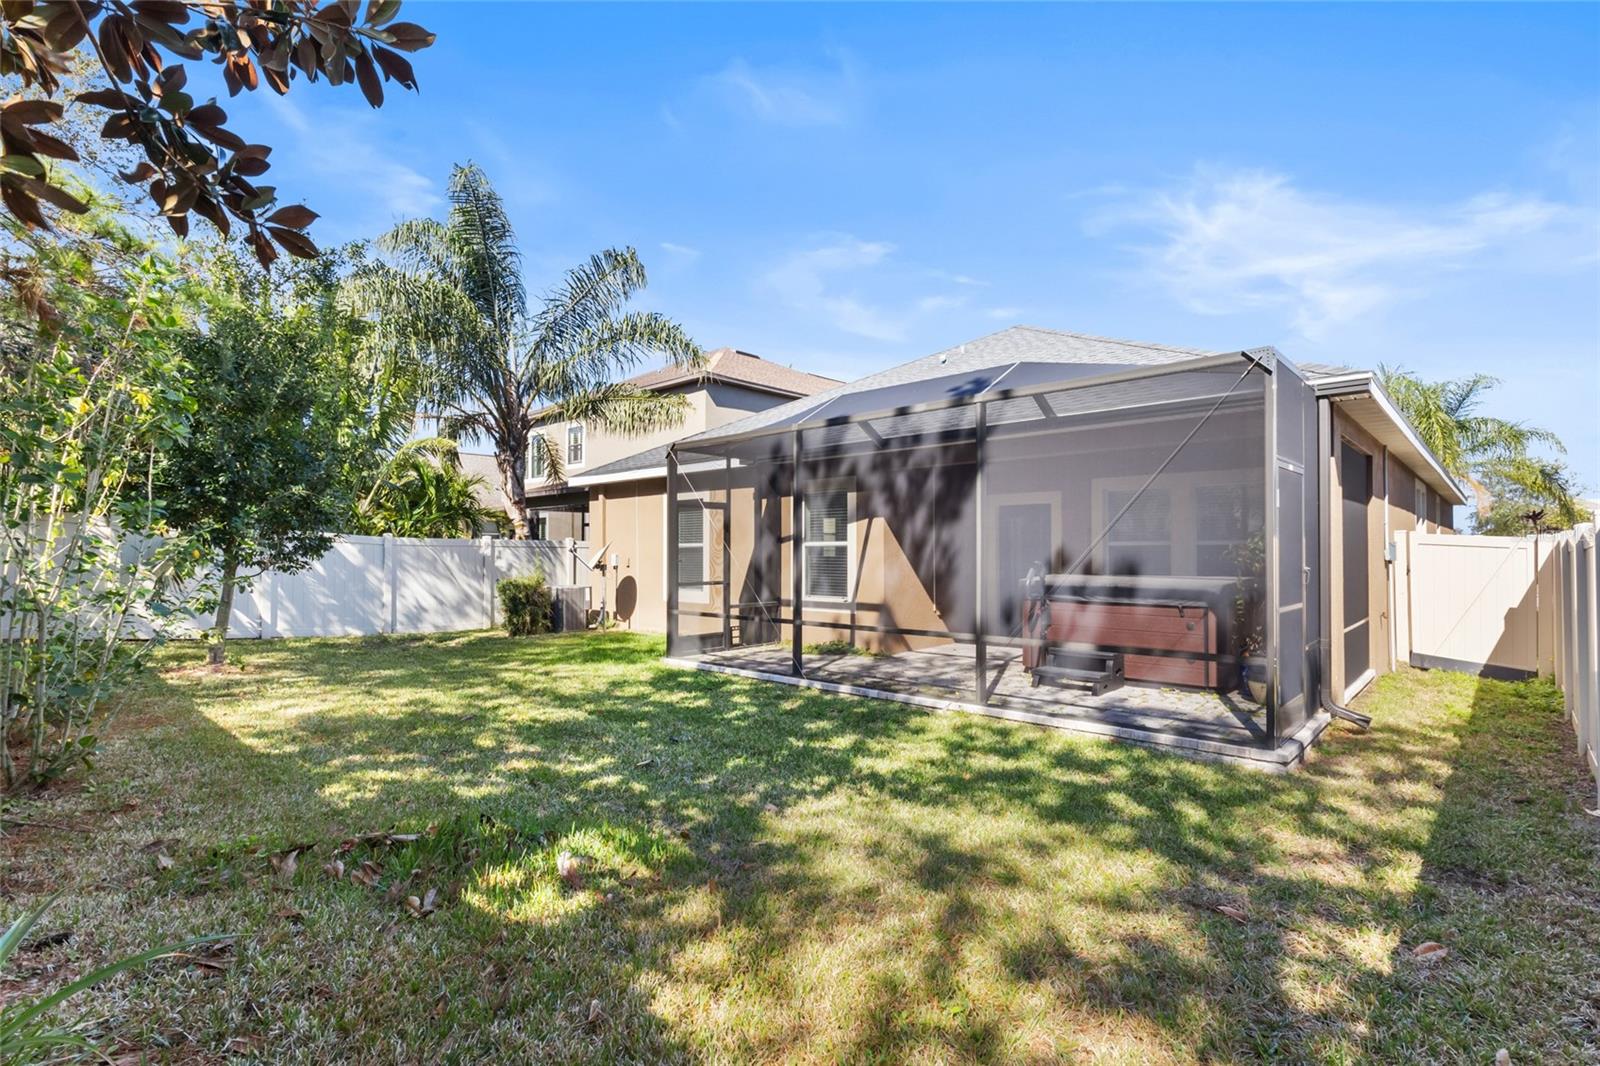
[(614, 486)]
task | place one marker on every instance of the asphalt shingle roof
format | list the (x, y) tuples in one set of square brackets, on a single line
[(1017, 344)]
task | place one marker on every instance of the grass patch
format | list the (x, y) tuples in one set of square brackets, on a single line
[(769, 873)]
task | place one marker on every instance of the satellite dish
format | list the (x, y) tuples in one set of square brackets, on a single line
[(597, 561)]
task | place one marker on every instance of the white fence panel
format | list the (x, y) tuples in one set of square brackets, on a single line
[(1577, 595), (1474, 603), (340, 595), (441, 585), (369, 585)]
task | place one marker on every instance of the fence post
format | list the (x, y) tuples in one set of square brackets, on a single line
[(389, 619), (488, 576)]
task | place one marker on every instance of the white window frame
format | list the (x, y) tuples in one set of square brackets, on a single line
[(1419, 502), (583, 445), (848, 487), (538, 469), (701, 595)]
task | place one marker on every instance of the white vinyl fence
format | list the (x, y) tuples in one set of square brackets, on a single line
[(369, 585), (1577, 646), (1507, 606)]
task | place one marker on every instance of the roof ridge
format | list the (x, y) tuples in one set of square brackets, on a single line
[(1154, 345)]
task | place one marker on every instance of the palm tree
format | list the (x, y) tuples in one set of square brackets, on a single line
[(421, 491), (1475, 447), (451, 302)]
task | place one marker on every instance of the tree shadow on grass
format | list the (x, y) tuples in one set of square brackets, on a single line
[(858, 880)]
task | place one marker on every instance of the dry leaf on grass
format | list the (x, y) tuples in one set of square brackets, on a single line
[(570, 868), (285, 862), (334, 869), (1502, 1057), (1235, 913), (290, 914), (1430, 951), (163, 861), (421, 908), (596, 1015), (368, 873)]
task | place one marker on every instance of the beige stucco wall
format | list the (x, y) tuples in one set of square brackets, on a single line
[(1392, 510)]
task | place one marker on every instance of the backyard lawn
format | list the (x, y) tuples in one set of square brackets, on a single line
[(766, 874)]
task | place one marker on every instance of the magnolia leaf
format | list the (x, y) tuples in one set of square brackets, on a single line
[(1430, 951), (1232, 912), (298, 216), (407, 36), (334, 869)]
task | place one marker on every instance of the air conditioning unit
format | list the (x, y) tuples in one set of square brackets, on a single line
[(571, 607)]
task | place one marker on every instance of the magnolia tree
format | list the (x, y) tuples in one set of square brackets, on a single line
[(191, 161), (259, 480), (91, 397)]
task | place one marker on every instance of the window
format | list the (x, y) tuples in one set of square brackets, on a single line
[(827, 544), (1140, 542), (692, 551), (538, 469), (539, 525), (1419, 502), (1225, 517), (575, 444)]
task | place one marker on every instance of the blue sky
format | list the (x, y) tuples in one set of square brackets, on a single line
[(843, 188)]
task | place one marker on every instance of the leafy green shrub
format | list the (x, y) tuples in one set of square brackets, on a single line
[(526, 605)]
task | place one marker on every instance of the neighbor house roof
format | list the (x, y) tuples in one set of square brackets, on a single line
[(733, 367)]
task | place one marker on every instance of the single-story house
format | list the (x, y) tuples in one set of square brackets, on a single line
[(1166, 545)]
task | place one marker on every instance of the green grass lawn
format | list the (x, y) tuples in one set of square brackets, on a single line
[(770, 874)]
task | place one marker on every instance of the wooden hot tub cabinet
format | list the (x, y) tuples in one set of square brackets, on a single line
[(1171, 631)]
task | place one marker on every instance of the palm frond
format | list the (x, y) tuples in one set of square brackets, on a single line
[(625, 409), (485, 247)]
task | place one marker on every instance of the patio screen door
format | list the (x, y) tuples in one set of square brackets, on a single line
[(1355, 479)]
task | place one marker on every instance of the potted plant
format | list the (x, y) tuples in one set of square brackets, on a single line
[(1249, 616)]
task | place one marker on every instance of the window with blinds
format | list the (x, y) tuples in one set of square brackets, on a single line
[(827, 544), (575, 437), (691, 551), (1140, 542)]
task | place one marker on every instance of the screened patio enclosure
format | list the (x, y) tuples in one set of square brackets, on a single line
[(1130, 547)]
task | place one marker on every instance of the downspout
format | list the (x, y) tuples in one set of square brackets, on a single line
[(1325, 565)]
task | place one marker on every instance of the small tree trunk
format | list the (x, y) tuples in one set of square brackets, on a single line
[(219, 628)]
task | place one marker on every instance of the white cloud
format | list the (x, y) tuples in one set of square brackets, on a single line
[(1003, 314), (831, 281), (682, 252), (790, 96), (1252, 240), (342, 148)]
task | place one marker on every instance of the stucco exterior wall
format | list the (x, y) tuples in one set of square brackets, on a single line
[(1391, 510)]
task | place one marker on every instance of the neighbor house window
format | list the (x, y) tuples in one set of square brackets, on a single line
[(539, 526), (1419, 502), (538, 469), (827, 544), (1140, 542), (692, 551), (575, 444)]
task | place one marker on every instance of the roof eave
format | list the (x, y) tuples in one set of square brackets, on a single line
[(1364, 383)]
